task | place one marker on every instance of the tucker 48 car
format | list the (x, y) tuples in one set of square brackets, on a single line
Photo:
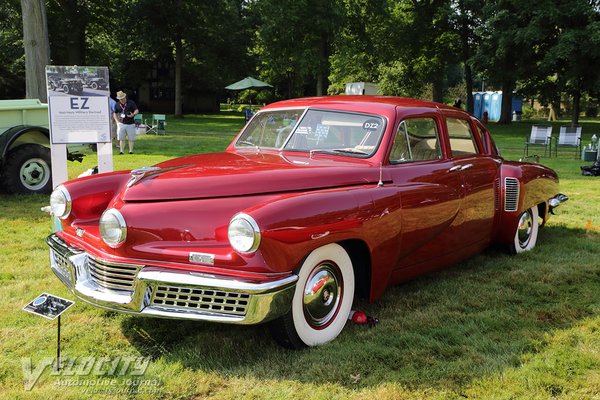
[(316, 201)]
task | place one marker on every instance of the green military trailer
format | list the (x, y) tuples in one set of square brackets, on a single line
[(24, 147)]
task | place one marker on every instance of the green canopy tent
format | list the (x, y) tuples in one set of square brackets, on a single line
[(247, 83)]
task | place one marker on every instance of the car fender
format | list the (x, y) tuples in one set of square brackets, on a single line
[(23, 134), (523, 186), (294, 225)]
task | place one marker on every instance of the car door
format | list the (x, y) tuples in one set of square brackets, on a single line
[(478, 172), (430, 192)]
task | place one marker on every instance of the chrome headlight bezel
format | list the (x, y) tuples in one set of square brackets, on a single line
[(244, 243), (60, 202), (110, 216)]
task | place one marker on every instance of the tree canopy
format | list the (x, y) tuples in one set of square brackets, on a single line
[(545, 50)]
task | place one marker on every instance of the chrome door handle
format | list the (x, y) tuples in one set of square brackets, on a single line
[(455, 168), (466, 166)]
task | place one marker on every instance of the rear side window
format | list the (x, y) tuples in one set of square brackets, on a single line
[(462, 140), (416, 139)]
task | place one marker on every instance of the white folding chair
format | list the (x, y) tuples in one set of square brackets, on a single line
[(569, 136), (541, 135)]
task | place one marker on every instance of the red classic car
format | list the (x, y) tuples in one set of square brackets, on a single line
[(316, 201)]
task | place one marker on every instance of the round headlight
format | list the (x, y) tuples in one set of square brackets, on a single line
[(113, 228), (243, 233), (60, 202)]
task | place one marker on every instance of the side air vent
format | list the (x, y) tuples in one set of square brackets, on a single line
[(497, 194), (511, 194)]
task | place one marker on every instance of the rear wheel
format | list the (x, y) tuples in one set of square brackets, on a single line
[(322, 300), (94, 85), (526, 232), (66, 89), (27, 170)]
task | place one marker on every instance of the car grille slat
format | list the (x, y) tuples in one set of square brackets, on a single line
[(112, 275), (217, 301), (511, 194)]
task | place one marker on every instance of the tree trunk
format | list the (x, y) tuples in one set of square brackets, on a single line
[(576, 107), (506, 107), (438, 89), (37, 48), (466, 51), (178, 68), (469, 84)]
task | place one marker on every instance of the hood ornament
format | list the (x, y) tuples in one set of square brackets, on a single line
[(140, 173)]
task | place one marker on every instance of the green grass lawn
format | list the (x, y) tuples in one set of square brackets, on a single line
[(495, 326)]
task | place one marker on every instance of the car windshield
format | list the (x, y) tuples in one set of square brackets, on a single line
[(333, 132)]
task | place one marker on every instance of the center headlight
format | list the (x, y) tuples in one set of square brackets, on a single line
[(60, 202), (113, 228), (243, 233)]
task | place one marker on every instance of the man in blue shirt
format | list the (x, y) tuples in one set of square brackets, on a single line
[(124, 112)]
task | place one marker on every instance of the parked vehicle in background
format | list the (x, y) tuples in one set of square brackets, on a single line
[(25, 165), (95, 83), (66, 84), (316, 201)]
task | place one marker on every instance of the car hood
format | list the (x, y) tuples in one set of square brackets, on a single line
[(240, 173)]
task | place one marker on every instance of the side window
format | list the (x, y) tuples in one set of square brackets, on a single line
[(462, 140), (416, 140)]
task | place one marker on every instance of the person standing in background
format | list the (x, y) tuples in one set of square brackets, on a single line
[(124, 112), (113, 123)]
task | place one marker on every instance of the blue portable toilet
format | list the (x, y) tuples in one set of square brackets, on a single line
[(478, 105), (495, 106), (492, 103)]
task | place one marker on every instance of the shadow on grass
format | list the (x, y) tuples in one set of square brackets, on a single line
[(443, 330)]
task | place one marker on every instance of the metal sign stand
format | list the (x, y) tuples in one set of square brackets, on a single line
[(50, 307), (58, 346)]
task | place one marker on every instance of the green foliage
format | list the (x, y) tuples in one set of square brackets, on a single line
[(293, 42), (12, 58)]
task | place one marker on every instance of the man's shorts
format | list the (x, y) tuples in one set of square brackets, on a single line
[(126, 129)]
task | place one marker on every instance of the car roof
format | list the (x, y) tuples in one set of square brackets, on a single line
[(380, 101)]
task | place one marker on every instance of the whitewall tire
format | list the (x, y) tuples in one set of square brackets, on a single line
[(527, 231), (322, 300)]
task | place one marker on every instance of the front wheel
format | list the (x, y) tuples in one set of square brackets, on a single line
[(527, 231), (27, 170), (94, 85), (66, 89), (322, 300)]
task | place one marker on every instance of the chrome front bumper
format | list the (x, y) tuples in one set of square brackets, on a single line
[(162, 292)]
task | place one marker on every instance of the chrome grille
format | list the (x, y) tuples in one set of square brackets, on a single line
[(511, 194), (112, 275), (62, 264), (217, 301)]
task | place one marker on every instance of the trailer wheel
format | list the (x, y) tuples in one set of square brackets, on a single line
[(27, 170)]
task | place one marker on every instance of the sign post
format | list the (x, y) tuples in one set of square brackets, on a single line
[(79, 112), (50, 307)]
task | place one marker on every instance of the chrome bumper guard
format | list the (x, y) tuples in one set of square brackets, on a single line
[(162, 292), (557, 201)]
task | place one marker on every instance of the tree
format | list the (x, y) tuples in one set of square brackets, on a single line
[(37, 48), (12, 58), (505, 49), (203, 39), (293, 43)]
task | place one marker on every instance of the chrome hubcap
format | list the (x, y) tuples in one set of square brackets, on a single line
[(35, 173), (322, 294), (525, 229)]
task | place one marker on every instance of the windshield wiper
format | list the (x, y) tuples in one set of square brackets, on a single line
[(351, 151), (249, 144), (337, 151)]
